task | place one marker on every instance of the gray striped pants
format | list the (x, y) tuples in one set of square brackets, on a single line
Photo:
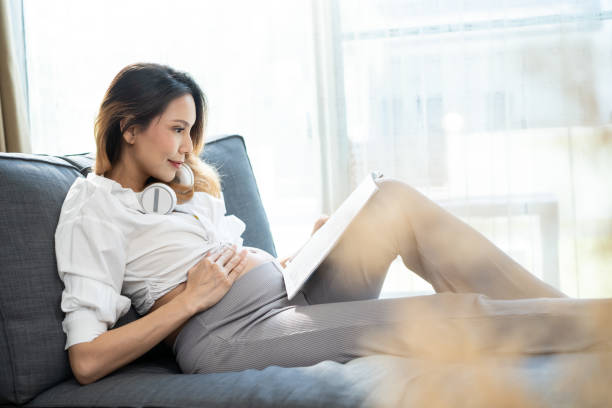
[(485, 302)]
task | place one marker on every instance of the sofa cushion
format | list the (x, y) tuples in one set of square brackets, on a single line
[(32, 356), (229, 155)]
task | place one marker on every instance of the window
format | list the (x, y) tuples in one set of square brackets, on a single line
[(498, 112)]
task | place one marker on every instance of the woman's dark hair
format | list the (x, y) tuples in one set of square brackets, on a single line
[(139, 93)]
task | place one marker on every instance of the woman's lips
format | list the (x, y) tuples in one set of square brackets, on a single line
[(175, 164)]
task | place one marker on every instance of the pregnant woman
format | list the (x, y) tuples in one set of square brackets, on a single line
[(223, 307)]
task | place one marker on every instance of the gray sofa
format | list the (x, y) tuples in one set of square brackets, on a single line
[(34, 368)]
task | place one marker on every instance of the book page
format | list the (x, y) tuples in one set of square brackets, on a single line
[(325, 238)]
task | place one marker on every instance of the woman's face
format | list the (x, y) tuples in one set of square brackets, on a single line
[(159, 148)]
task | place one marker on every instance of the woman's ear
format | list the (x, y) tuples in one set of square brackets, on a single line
[(128, 134)]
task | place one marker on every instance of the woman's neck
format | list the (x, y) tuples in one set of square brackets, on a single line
[(129, 176)]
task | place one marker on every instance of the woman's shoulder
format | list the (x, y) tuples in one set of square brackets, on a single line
[(87, 196)]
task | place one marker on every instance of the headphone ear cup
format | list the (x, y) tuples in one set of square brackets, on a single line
[(157, 198), (184, 176)]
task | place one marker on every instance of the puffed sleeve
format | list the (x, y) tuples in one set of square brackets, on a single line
[(91, 261)]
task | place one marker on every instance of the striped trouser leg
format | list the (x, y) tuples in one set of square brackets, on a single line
[(442, 326), (255, 326)]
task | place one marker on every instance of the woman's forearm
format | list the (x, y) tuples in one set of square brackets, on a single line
[(117, 347)]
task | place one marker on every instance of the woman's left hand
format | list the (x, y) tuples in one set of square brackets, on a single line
[(283, 261), (319, 223)]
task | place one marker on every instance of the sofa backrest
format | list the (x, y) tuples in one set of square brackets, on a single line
[(32, 190)]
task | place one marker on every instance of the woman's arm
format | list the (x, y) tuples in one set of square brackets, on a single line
[(207, 282), (115, 348)]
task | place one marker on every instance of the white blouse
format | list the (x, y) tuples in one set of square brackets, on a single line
[(110, 254)]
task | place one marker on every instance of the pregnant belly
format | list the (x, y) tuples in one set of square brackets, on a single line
[(254, 258)]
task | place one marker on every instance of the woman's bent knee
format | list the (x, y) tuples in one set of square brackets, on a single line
[(393, 186), (398, 194)]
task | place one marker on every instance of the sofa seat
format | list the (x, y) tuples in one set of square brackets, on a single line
[(573, 380)]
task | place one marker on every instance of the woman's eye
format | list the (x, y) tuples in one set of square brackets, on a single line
[(179, 129)]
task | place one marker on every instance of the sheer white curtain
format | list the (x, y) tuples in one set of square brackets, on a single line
[(497, 110)]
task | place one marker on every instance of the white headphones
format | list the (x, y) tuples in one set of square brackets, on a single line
[(160, 198)]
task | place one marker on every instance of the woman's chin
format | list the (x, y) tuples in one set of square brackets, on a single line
[(164, 177), (168, 175)]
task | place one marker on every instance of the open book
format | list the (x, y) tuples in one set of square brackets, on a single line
[(318, 246)]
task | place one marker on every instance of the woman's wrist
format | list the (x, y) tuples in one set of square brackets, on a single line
[(185, 303)]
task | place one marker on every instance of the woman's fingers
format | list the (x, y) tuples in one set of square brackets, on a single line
[(283, 261), (226, 259), (233, 275), (226, 256), (241, 261), (319, 223), (222, 254), (233, 261), (237, 263), (213, 254)]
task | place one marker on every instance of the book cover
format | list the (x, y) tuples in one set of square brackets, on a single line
[(318, 246)]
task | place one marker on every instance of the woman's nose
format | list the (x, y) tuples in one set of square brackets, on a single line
[(186, 144)]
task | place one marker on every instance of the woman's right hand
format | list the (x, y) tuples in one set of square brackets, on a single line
[(212, 277)]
